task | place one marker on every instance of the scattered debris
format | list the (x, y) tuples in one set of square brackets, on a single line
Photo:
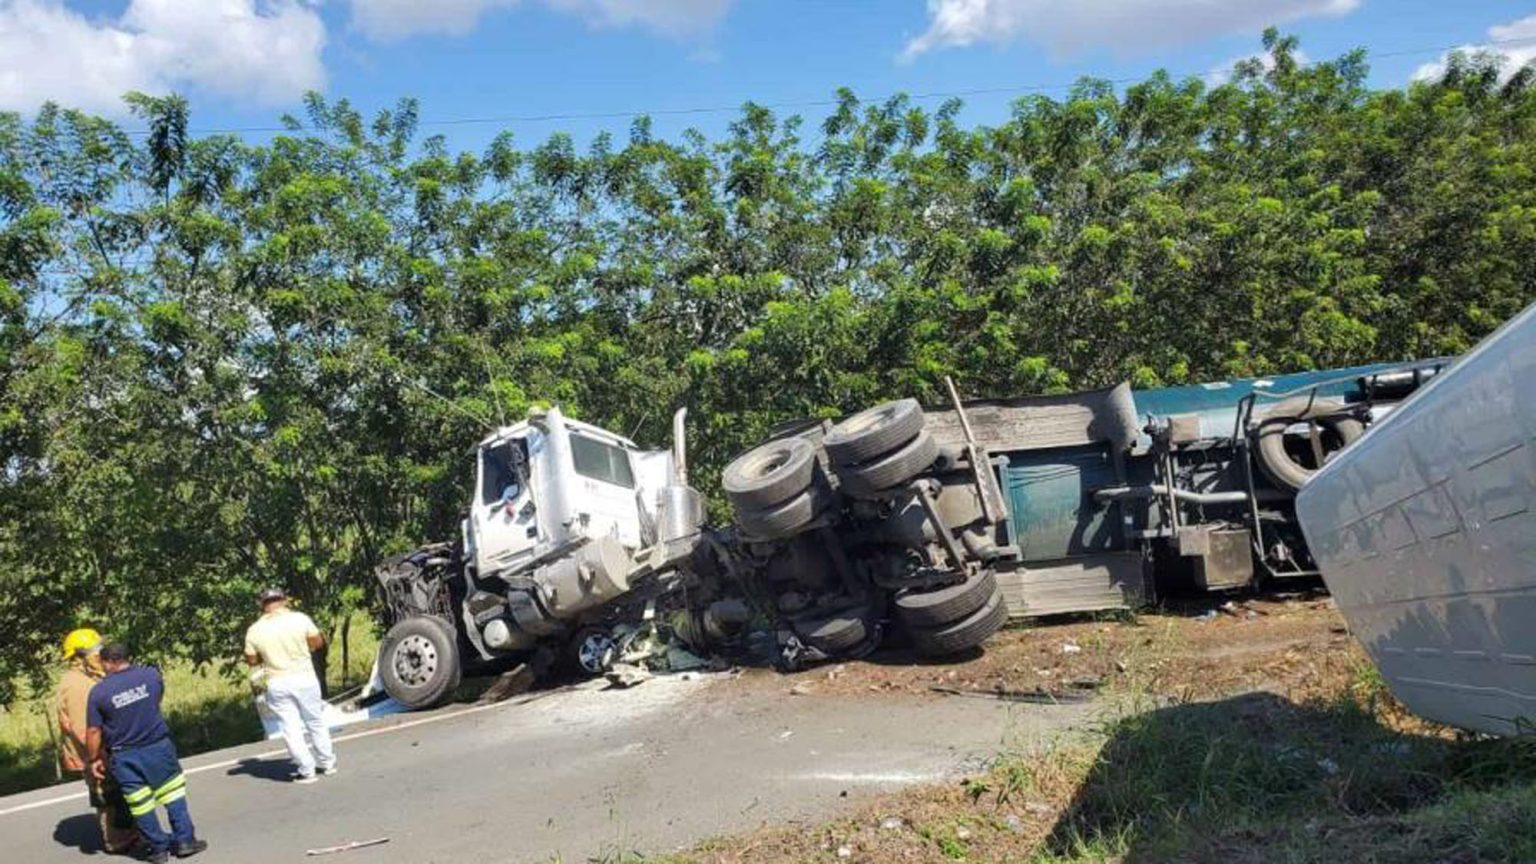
[(892, 823), (347, 846), (1207, 615), (679, 659), (1038, 808), (844, 852), (962, 833), (1014, 823), (801, 689), (1329, 766), (785, 734), (512, 683), (627, 675), (1039, 696), (1070, 647)]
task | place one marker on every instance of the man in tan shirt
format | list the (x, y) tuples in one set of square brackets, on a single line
[(82, 649), (279, 645)]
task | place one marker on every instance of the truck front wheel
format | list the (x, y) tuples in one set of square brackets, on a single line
[(419, 661), (592, 651)]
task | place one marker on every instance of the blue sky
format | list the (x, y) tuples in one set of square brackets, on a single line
[(244, 62)]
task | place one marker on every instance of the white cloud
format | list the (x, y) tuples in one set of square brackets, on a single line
[(1126, 26), (1223, 73), (396, 19), (1520, 49), (266, 51)]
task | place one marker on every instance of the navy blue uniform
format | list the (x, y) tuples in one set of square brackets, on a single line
[(125, 706)]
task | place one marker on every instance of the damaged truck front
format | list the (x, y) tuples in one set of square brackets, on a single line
[(572, 532)]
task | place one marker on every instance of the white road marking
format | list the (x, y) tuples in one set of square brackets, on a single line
[(270, 754)]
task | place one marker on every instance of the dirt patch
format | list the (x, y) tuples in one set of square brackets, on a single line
[(1224, 730), (1277, 644)]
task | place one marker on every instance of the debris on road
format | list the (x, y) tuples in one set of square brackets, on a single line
[(628, 675), (348, 846), (1039, 696), (513, 683)]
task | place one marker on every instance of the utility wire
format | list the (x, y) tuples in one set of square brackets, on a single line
[(814, 103)]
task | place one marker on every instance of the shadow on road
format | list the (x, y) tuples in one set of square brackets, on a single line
[(79, 832), (278, 770)]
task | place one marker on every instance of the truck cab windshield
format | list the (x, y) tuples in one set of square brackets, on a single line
[(502, 472)]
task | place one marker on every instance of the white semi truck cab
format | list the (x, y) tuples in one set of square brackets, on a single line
[(566, 521)]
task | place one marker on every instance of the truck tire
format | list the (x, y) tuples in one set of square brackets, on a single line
[(769, 474), (419, 661), (838, 633), (962, 635), (874, 432), (1275, 461), (940, 606), (782, 520), (891, 470), (591, 652)]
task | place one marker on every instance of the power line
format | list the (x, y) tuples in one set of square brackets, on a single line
[(806, 103)]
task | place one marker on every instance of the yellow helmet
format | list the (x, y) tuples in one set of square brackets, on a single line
[(85, 638)]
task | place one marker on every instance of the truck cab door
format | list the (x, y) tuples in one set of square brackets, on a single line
[(605, 479), (503, 518)]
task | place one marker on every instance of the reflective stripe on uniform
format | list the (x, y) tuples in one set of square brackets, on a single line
[(141, 801), (134, 796), (172, 789)]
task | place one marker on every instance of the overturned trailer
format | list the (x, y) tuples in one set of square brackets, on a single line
[(1116, 494), (931, 526)]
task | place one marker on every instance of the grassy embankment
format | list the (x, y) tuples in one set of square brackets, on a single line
[(206, 710), (1203, 752)]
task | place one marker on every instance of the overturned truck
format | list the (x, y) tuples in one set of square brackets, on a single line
[(931, 527)]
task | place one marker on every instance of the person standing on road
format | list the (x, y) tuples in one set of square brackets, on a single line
[(128, 738), (82, 648), (280, 645)]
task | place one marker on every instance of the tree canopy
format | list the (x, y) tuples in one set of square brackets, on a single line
[(225, 363)]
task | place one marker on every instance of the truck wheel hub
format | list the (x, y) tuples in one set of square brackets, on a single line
[(596, 652), (415, 660)]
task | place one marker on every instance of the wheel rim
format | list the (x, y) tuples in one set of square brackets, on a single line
[(868, 420), (595, 652), (415, 660), (774, 461)]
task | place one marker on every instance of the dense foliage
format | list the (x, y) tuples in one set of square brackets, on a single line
[(228, 363)]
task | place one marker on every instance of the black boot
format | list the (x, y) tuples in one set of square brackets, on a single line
[(187, 850)]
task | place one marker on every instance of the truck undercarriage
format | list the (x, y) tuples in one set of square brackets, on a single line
[(928, 526)]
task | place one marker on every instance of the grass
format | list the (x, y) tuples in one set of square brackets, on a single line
[(205, 709), (1323, 767)]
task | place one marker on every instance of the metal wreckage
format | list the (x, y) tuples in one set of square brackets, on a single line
[(896, 524)]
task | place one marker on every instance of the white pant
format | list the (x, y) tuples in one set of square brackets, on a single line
[(295, 699)]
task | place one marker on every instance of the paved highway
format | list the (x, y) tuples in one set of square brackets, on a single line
[(567, 774)]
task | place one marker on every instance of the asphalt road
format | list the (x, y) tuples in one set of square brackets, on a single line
[(564, 775)]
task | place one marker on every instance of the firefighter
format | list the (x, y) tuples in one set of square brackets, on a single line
[(128, 737), (82, 650)]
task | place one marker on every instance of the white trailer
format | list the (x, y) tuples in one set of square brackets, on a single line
[(1425, 532)]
